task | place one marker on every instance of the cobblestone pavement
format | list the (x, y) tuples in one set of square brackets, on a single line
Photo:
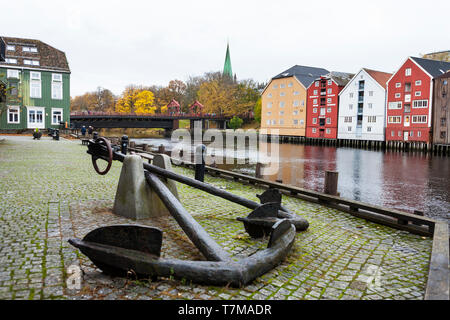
[(50, 193)]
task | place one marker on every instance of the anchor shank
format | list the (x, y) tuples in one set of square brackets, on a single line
[(207, 246)]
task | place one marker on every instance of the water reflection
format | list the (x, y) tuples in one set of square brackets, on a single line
[(404, 181)]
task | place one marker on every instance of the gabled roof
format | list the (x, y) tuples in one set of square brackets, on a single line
[(445, 75), (48, 56), (306, 75), (379, 76), (434, 67)]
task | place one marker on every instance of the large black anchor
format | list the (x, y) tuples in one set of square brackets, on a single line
[(119, 249)]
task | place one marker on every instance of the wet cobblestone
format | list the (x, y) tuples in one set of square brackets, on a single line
[(51, 193)]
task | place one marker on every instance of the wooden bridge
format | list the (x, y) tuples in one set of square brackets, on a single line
[(167, 122)]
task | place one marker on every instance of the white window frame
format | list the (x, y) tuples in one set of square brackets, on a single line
[(16, 111), (418, 93), (315, 101), (33, 125), (314, 120), (316, 84), (296, 103), (57, 110), (316, 92), (290, 84), (11, 60), (408, 72), (398, 85), (281, 104), (421, 102), (328, 120), (328, 131), (35, 79), (393, 119), (372, 119), (10, 47), (330, 82), (282, 86), (394, 105), (314, 130), (314, 110), (56, 81), (418, 82), (416, 118), (12, 74)]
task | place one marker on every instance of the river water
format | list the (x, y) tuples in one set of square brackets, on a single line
[(399, 180)]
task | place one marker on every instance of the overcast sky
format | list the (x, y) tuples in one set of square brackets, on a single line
[(115, 43)]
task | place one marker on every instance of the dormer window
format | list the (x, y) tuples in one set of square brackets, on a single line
[(31, 62), (29, 49)]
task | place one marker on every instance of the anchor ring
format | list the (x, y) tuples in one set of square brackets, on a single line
[(110, 157)]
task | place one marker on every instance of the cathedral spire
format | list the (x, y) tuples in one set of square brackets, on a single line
[(227, 66)]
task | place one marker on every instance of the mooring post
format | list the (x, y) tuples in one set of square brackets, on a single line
[(200, 152), (161, 149), (124, 144), (95, 135), (331, 182), (259, 166)]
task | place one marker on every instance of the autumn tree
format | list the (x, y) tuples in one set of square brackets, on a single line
[(144, 102), (102, 100), (257, 110), (134, 99), (441, 56), (222, 95), (127, 102)]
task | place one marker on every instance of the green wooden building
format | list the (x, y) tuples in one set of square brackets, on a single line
[(36, 77)]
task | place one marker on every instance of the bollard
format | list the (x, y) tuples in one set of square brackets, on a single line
[(144, 147), (331, 182), (56, 134), (124, 144), (132, 144), (258, 170), (161, 149), (95, 135), (199, 161)]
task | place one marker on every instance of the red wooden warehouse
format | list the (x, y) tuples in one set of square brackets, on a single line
[(409, 100), (322, 105)]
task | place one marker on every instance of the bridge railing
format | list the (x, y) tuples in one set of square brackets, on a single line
[(151, 115)]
